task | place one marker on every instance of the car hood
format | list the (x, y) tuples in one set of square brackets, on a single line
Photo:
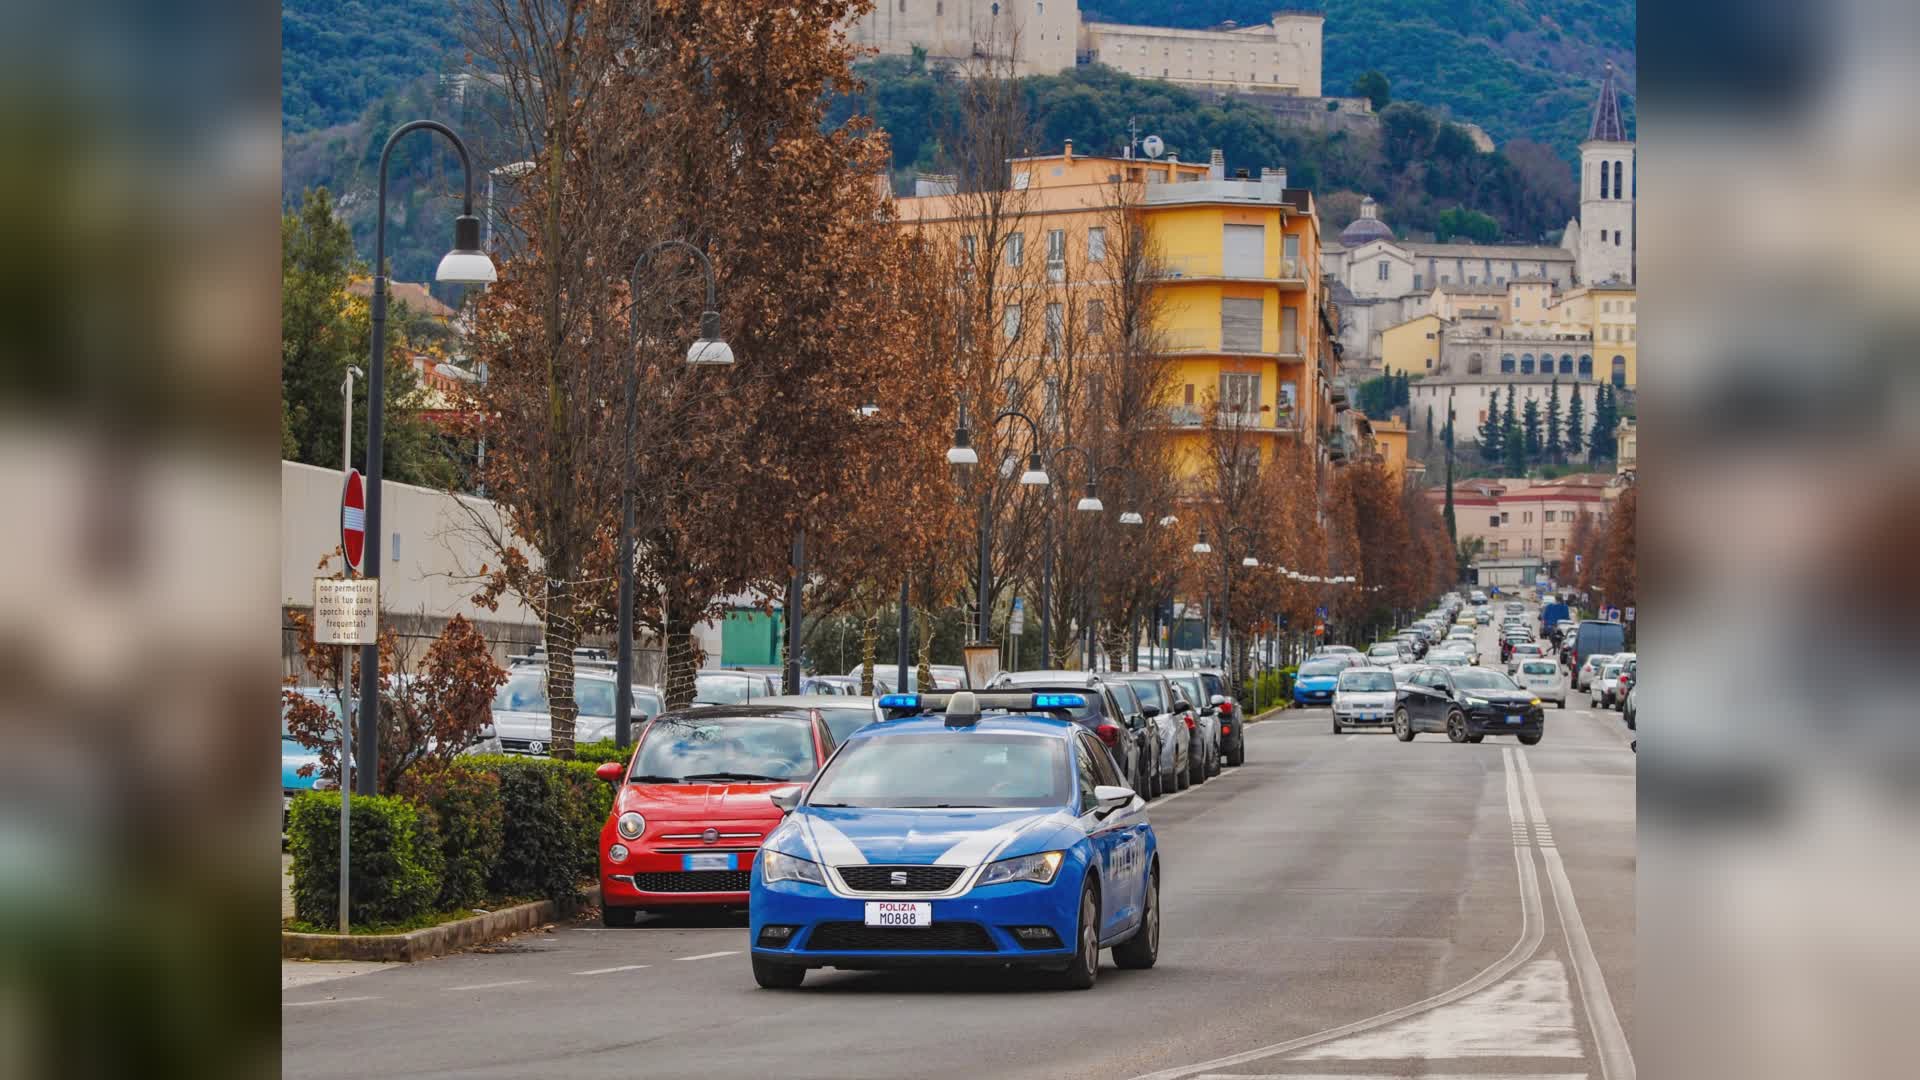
[(292, 757), (852, 836), (1317, 682), (1502, 697), (733, 800)]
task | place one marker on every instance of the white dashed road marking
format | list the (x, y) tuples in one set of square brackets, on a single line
[(611, 970), (489, 986), (327, 1001), (710, 955)]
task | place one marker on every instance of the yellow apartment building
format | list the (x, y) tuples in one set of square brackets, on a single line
[(1241, 306), (1413, 346)]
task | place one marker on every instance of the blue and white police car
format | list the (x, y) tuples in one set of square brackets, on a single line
[(973, 829)]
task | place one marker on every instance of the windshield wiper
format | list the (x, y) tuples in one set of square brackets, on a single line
[(653, 779), (833, 805), (729, 776)]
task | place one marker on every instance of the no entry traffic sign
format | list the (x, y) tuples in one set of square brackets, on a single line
[(353, 519)]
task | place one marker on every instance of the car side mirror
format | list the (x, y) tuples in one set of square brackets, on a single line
[(1217, 700), (1108, 798), (611, 771), (787, 798), (1150, 711)]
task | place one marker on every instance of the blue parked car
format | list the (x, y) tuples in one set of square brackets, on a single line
[(1314, 683), (983, 829), (293, 755)]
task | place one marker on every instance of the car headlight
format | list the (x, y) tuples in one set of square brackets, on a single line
[(1475, 703), (631, 825), (1535, 701), (779, 866), (1040, 868)]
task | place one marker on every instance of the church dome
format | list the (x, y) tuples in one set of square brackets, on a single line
[(1367, 227)]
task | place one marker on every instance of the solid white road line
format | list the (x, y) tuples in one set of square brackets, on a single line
[(1237, 770), (1532, 931), (611, 970), (489, 986), (328, 1001), (710, 955), (1616, 1055), (1384, 1076)]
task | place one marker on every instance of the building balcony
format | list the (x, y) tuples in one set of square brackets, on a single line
[(1267, 419), (1252, 192), (1339, 446), (1290, 273), (1210, 341)]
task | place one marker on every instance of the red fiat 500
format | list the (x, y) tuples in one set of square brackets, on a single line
[(693, 804)]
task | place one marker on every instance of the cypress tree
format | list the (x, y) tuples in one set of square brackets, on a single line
[(1516, 451), (1576, 423), (1530, 424), (1429, 442), (1606, 417), (1490, 429), (1510, 420), (1553, 421)]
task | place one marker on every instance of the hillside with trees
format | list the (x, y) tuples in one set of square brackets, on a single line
[(1519, 68)]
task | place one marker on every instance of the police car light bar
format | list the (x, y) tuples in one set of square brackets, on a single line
[(971, 702), (900, 701)]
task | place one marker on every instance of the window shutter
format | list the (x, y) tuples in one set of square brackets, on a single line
[(1245, 247), (1240, 324)]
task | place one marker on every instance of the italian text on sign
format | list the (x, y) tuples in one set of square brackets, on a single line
[(346, 611)]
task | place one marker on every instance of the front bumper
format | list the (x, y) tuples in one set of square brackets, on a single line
[(647, 880), (1312, 697), (971, 930), (1494, 721)]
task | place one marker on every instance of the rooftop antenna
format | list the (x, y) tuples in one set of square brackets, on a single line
[(1133, 136)]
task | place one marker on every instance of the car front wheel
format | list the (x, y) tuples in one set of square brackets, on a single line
[(1085, 967), (1456, 726), (1402, 724), (617, 918), (773, 975)]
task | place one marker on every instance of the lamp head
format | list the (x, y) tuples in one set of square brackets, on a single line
[(466, 264), (1132, 517), (1200, 545), (1090, 503), (1249, 561), (1036, 474), (711, 350)]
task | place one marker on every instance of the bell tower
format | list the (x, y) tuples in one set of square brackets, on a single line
[(1607, 184)]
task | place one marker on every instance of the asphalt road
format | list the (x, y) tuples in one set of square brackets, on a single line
[(1341, 905)]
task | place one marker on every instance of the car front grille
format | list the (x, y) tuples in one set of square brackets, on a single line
[(859, 937), (692, 881), (917, 878)]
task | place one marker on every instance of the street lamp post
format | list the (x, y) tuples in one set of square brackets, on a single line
[(709, 350), (1046, 558), (466, 264), (1201, 547), (962, 456)]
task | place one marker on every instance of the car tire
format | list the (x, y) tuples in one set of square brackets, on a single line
[(1198, 767), (1529, 740), (1402, 724), (1084, 969), (1139, 952), (1475, 738), (1336, 726), (618, 918), (1456, 726), (1182, 779), (774, 975), (1239, 755), (1219, 757)]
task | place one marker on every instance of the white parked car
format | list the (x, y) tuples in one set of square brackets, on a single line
[(1364, 697), (1525, 651), (1589, 671), (1604, 685), (1543, 678)]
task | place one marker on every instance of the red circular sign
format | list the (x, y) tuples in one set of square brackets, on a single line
[(353, 519)]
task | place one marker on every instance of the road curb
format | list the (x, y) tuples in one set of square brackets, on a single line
[(433, 940), (1270, 714)]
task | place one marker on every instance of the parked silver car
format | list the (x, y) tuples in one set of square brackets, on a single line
[(1543, 677), (523, 725), (1175, 738), (1364, 697)]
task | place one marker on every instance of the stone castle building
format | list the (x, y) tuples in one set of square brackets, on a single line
[(1045, 37)]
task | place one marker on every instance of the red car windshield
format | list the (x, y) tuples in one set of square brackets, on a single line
[(695, 748)]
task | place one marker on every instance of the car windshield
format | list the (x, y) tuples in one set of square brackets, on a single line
[(844, 721), (1365, 681), (948, 769), (723, 689), (1612, 672), (1384, 650), (1538, 667), (1598, 662), (693, 747), (325, 698), (1475, 679), (1188, 686), (1149, 693), (1449, 660), (1313, 668), (526, 691)]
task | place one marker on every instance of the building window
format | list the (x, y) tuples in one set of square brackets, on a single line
[(1493, 521), (1241, 323), (1096, 317), (1056, 255), (1385, 269), (1446, 279), (1506, 363), (1010, 321), (1056, 325), (1620, 372), (1526, 363), (996, 9), (1604, 189), (1566, 364), (1240, 393), (1289, 330), (1476, 364), (1586, 367), (1526, 517), (1096, 244), (1016, 249), (1619, 187), (1616, 238), (1505, 517), (1416, 281), (1189, 395)]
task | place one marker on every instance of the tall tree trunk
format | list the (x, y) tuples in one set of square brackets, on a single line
[(683, 660), (926, 649), (1115, 644), (563, 634), (869, 641)]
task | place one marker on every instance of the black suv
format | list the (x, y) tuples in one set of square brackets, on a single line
[(1468, 704)]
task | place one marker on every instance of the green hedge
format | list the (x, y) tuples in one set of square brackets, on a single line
[(488, 827), (594, 753), (1273, 688), (397, 859)]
